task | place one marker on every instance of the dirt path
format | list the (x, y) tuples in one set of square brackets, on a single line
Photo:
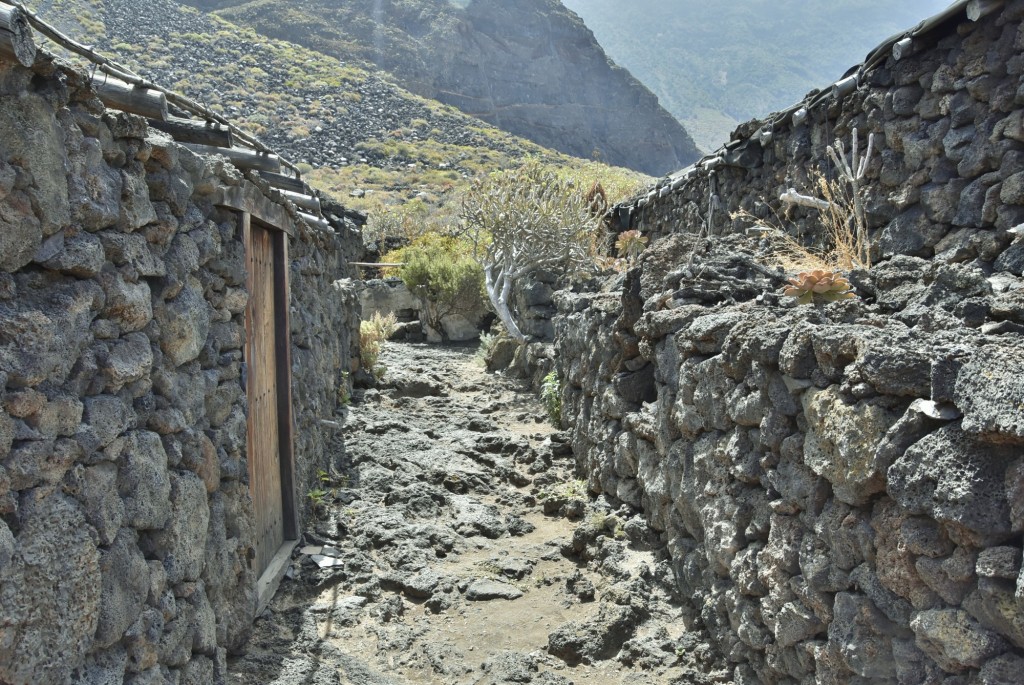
[(456, 548)]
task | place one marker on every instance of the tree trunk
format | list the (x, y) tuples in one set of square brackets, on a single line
[(498, 290)]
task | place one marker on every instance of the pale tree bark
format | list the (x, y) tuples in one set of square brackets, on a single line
[(524, 221)]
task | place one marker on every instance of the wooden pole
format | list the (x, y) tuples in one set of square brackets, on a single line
[(976, 9), (116, 94), (16, 36), (309, 202), (241, 158), (193, 131), (283, 182)]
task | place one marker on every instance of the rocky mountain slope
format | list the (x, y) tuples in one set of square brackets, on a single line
[(714, 65), (347, 127), (530, 67)]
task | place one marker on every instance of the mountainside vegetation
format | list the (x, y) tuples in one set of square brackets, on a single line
[(714, 65), (530, 67), (353, 133)]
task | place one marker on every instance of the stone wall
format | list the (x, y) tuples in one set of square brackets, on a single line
[(126, 526), (945, 179), (841, 486)]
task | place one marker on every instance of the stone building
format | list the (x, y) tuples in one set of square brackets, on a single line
[(172, 337)]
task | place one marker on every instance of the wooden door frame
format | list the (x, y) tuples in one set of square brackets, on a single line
[(270, 579)]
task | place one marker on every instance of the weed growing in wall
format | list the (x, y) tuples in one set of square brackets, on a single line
[(551, 396), (819, 286), (843, 243)]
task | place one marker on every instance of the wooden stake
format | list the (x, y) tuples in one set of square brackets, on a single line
[(241, 158), (193, 131), (16, 36), (117, 94)]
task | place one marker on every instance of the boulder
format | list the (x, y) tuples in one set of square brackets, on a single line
[(955, 640), (842, 441)]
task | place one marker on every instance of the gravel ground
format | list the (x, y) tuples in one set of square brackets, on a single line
[(454, 546)]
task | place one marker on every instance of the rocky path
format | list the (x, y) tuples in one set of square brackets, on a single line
[(454, 547)]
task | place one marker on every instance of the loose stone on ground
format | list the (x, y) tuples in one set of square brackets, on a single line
[(446, 556)]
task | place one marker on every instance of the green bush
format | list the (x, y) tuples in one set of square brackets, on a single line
[(551, 396), (442, 273)]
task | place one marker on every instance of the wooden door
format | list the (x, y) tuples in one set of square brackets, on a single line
[(261, 357)]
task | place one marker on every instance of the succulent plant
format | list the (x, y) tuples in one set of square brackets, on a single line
[(825, 286), (630, 244)]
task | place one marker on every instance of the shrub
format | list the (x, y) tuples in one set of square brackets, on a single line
[(551, 396), (372, 334), (527, 220), (483, 352), (443, 275)]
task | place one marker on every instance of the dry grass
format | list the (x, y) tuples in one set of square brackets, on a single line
[(839, 246), (372, 334)]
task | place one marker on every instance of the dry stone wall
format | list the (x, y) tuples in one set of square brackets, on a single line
[(945, 180), (841, 486), (126, 525)]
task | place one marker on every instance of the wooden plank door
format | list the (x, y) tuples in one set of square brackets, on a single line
[(261, 356)]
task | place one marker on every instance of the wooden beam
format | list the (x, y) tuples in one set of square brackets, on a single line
[(308, 202), (282, 182), (377, 264), (976, 9), (117, 94), (16, 36), (249, 199), (270, 581), (192, 131), (285, 420), (241, 157), (315, 221), (903, 48)]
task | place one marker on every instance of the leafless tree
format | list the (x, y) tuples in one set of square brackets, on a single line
[(524, 221)]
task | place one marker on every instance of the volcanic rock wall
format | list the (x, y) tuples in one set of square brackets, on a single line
[(841, 486), (126, 525)]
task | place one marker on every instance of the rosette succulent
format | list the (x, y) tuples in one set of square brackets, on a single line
[(819, 285)]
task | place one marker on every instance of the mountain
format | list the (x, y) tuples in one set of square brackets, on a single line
[(716, 64), (353, 133), (529, 67)]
